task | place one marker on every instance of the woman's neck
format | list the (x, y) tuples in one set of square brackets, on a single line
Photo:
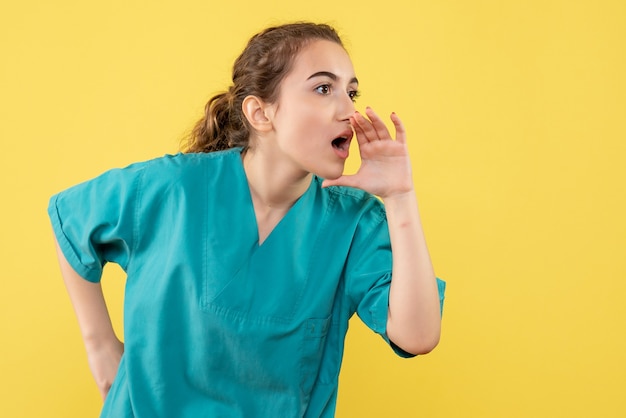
[(273, 184)]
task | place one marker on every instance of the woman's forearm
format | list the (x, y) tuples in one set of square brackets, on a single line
[(414, 322), (104, 349), (89, 304)]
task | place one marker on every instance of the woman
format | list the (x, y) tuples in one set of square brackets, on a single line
[(247, 255)]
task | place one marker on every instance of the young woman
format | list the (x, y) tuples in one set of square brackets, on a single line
[(247, 255)]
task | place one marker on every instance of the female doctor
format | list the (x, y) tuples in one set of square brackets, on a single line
[(247, 254)]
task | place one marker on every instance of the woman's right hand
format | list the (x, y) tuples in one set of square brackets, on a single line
[(104, 361)]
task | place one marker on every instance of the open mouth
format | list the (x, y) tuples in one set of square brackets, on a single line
[(341, 143)]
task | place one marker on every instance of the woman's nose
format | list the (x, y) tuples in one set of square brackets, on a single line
[(346, 107)]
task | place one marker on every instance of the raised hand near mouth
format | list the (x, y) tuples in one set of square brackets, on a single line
[(385, 168)]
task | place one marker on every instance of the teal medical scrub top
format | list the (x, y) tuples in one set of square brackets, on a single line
[(217, 325)]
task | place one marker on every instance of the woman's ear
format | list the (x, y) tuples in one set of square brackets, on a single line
[(254, 110)]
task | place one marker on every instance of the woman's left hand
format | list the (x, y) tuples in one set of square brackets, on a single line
[(385, 165)]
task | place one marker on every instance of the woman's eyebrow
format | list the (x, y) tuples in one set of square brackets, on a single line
[(331, 76)]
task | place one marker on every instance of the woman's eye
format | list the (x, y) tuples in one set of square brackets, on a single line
[(354, 94), (323, 89)]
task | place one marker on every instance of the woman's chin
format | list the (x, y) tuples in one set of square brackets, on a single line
[(331, 174)]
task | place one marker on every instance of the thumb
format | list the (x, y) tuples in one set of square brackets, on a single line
[(349, 181)]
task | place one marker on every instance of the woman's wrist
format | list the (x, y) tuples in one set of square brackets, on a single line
[(399, 198)]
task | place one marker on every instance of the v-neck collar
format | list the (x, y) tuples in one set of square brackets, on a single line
[(251, 214)]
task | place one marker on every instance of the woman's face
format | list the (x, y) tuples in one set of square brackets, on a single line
[(311, 118)]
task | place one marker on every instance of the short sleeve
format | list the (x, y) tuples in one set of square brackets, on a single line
[(94, 221), (368, 274)]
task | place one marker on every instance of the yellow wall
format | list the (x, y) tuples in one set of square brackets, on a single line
[(516, 113)]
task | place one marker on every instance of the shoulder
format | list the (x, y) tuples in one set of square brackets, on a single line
[(172, 168), (183, 174), (157, 173), (356, 203), (181, 162)]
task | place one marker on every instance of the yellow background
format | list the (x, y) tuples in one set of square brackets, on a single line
[(516, 114)]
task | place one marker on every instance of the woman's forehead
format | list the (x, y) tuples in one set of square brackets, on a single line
[(323, 57)]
